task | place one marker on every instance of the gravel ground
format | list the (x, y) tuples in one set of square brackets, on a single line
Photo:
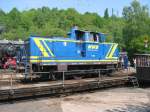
[(109, 100)]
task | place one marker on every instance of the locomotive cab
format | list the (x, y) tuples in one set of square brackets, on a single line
[(82, 35)]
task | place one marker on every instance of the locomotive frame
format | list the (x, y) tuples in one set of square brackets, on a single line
[(82, 50)]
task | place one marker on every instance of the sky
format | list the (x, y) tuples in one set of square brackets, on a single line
[(82, 6)]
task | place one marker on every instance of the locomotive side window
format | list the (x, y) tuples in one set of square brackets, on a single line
[(80, 35), (94, 37)]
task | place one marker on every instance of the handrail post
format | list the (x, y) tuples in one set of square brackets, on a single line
[(11, 81), (63, 81), (99, 75)]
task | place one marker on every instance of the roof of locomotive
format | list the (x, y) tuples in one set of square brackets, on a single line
[(65, 38), (87, 31), (49, 37), (68, 33)]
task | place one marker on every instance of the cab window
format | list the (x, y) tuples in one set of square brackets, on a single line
[(94, 37), (79, 35)]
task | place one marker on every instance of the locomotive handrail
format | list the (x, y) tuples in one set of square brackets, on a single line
[(97, 71), (75, 71), (88, 70)]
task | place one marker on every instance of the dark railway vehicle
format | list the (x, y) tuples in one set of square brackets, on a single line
[(82, 50), (8, 53), (143, 67)]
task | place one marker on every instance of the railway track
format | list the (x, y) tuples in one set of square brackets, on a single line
[(59, 87)]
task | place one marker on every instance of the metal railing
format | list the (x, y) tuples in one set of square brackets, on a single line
[(85, 72), (143, 61)]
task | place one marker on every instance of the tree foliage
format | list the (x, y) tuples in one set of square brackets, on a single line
[(129, 31), (52, 22), (106, 15), (136, 29)]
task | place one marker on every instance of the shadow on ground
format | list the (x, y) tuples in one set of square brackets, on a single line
[(132, 108)]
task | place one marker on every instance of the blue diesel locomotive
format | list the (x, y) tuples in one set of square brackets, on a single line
[(81, 50)]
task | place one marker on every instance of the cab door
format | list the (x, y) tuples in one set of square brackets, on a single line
[(92, 45), (80, 43)]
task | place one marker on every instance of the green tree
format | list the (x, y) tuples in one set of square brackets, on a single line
[(136, 26), (14, 19), (106, 14)]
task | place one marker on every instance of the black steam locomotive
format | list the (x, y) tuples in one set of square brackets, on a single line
[(8, 51)]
